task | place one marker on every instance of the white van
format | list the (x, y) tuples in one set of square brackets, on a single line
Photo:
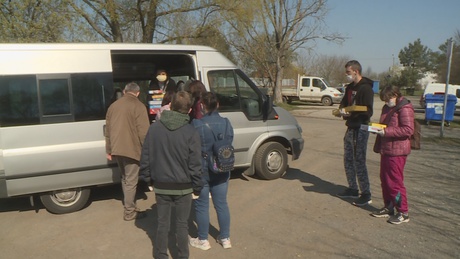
[(312, 89), (440, 88), (53, 100)]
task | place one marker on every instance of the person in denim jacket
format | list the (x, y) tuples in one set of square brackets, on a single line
[(216, 184)]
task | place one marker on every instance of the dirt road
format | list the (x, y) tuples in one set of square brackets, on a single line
[(297, 216)]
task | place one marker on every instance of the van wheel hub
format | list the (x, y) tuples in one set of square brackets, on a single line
[(274, 161)]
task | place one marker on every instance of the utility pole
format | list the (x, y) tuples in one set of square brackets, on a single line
[(446, 92)]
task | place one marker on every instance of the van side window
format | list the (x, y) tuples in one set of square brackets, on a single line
[(235, 93), (318, 83), (54, 97), (18, 101), (42, 99), (305, 82), (91, 95), (222, 82)]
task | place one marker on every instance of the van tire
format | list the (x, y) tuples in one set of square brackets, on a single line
[(326, 101), (271, 161), (65, 201)]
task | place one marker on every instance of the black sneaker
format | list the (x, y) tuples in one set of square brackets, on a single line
[(399, 218), (364, 199), (349, 193), (383, 213)]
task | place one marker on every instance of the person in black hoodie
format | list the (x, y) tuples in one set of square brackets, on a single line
[(171, 160), (358, 92)]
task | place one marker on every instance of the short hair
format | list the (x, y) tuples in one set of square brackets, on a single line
[(197, 88), (181, 102), (389, 92), (209, 100), (132, 87), (354, 64)]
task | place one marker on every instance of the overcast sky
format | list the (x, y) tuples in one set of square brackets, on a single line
[(378, 29)]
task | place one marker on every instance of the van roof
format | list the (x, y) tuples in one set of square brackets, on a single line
[(102, 46)]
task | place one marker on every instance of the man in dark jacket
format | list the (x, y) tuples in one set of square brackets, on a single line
[(171, 159), (359, 92)]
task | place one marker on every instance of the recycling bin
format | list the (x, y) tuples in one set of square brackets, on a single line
[(434, 107)]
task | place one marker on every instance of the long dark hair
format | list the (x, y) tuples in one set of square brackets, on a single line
[(209, 100)]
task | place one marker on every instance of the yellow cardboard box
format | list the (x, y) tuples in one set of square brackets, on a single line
[(356, 108), (373, 127)]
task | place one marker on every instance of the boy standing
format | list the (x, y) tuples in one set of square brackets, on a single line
[(171, 159)]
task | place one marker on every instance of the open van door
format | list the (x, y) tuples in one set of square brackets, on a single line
[(249, 111), (241, 104)]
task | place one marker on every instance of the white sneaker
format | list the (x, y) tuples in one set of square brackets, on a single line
[(201, 244), (225, 242)]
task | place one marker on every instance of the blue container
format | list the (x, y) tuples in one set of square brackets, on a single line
[(434, 105), (376, 87)]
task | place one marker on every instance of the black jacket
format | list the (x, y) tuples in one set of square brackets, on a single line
[(359, 94), (170, 85), (171, 155)]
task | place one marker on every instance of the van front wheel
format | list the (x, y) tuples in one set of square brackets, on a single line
[(326, 101), (271, 160), (65, 201)]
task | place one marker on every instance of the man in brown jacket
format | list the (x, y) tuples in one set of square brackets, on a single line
[(127, 124)]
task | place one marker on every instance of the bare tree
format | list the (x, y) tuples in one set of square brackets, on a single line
[(273, 30), (119, 20), (330, 67)]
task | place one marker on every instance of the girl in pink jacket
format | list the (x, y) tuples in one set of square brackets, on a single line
[(393, 144)]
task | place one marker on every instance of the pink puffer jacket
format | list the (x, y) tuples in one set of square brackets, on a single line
[(396, 141)]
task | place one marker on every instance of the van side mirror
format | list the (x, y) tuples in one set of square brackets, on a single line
[(268, 111), (458, 93)]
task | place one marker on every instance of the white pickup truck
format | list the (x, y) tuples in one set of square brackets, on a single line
[(311, 89)]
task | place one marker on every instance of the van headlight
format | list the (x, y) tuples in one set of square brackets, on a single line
[(299, 129)]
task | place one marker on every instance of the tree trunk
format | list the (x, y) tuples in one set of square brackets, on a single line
[(277, 96)]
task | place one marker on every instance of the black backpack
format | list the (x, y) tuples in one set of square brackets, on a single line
[(222, 159)]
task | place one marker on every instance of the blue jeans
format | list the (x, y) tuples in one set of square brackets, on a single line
[(219, 199), (183, 205)]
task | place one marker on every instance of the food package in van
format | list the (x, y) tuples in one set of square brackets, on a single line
[(373, 127), (155, 103)]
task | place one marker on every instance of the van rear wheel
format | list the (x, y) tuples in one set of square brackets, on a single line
[(271, 161), (65, 201)]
